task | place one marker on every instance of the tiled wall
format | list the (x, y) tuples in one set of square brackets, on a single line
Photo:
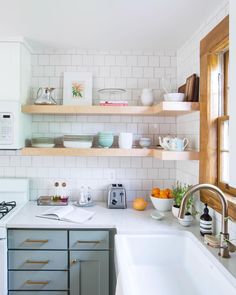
[(132, 70), (188, 62), (137, 174)]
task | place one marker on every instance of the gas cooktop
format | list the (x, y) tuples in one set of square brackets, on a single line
[(6, 207)]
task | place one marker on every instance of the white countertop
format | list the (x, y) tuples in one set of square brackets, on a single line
[(125, 221)]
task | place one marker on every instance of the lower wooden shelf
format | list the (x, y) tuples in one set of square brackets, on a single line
[(112, 152)]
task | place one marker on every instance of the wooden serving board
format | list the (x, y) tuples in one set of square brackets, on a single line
[(190, 87)]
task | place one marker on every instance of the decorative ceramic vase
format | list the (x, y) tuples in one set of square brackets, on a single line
[(175, 211), (147, 97), (187, 221)]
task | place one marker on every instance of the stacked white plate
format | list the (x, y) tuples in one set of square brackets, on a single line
[(78, 141)]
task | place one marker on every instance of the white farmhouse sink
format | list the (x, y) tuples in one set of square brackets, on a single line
[(171, 263)]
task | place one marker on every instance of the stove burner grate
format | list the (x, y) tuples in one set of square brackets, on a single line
[(6, 207)]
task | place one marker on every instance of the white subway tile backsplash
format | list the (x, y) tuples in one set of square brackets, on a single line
[(148, 72), (43, 60), (77, 60), (142, 60), (132, 60), (115, 72), (130, 69), (159, 72), (165, 61)]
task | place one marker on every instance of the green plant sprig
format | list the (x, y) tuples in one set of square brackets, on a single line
[(178, 192)]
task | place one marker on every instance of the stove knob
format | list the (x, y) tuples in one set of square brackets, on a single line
[(114, 202)]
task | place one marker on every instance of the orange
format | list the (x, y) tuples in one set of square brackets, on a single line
[(139, 204), (156, 192)]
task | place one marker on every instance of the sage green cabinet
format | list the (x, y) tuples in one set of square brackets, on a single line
[(60, 262), (89, 272)]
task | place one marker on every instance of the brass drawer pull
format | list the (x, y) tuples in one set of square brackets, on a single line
[(37, 262), (29, 282), (89, 242), (36, 241)]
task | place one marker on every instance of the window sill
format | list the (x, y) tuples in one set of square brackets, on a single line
[(213, 201)]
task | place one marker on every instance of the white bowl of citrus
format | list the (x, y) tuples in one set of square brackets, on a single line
[(162, 200)]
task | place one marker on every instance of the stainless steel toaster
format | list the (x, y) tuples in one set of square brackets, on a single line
[(116, 198)]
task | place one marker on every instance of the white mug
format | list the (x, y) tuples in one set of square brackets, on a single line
[(125, 140)]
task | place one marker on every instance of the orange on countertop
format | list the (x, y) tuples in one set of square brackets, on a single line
[(140, 204)]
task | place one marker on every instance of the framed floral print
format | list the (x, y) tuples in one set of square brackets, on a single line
[(77, 88)]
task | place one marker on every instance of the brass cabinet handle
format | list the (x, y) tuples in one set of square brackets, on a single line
[(89, 242), (29, 282), (37, 261), (74, 261), (36, 241)]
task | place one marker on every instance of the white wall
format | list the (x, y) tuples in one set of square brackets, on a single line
[(188, 62), (132, 70)]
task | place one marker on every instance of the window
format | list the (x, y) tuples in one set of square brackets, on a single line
[(214, 119), (223, 124)]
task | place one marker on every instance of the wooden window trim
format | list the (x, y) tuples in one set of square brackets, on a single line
[(226, 81), (216, 41)]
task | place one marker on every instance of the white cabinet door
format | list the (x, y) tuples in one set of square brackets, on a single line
[(9, 71)]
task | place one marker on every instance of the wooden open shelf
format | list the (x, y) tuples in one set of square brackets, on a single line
[(112, 152), (175, 156), (163, 108)]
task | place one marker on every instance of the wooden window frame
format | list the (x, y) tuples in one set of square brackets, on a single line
[(215, 42), (222, 185)]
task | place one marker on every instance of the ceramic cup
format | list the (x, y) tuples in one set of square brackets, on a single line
[(147, 97), (125, 140)]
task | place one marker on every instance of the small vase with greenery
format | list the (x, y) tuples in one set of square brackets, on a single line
[(178, 192)]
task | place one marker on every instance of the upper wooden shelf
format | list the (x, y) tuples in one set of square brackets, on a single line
[(112, 152), (163, 108)]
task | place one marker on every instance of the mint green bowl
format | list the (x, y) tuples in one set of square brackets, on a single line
[(105, 143), (105, 134)]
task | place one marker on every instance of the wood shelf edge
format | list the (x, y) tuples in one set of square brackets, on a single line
[(176, 156), (165, 108), (113, 152), (93, 152)]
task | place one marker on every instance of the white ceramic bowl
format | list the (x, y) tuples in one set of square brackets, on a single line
[(145, 142), (162, 205), (174, 96)]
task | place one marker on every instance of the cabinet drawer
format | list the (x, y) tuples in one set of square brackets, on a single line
[(38, 293), (37, 239), (37, 260), (89, 240), (38, 280)]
